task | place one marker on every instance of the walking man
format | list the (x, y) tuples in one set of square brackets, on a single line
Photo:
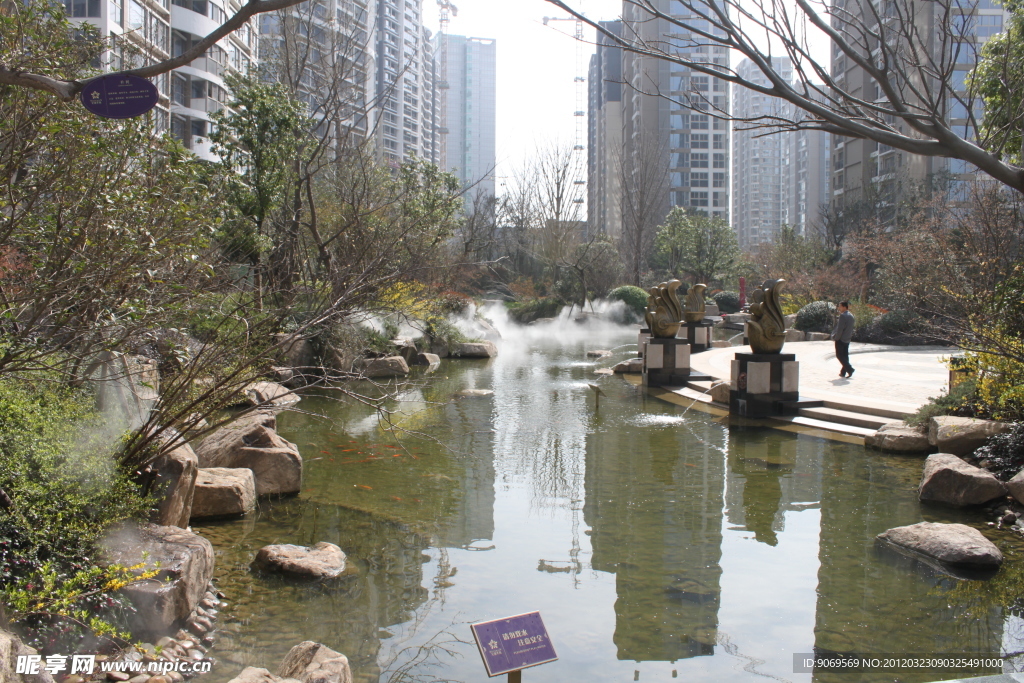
[(842, 334)]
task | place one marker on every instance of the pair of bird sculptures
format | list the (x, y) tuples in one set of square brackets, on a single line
[(766, 330)]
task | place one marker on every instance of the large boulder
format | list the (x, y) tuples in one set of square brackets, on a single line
[(392, 366), (948, 479), (1016, 487), (957, 545), (275, 463), (175, 485), (427, 359), (961, 435), (185, 564), (633, 365), (899, 437), (270, 394), (11, 648), (296, 351), (321, 561), (311, 662), (224, 492), (794, 335), (484, 349)]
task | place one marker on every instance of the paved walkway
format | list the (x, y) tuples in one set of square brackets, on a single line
[(898, 377)]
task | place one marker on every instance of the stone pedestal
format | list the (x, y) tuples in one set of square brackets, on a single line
[(697, 335), (667, 363), (765, 384), (641, 340)]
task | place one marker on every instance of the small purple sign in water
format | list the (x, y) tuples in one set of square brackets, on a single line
[(119, 96), (513, 643)]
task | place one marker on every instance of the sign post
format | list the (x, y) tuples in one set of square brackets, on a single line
[(512, 644)]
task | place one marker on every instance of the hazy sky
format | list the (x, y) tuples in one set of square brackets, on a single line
[(536, 67)]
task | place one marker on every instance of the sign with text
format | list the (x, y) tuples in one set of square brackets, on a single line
[(119, 96), (513, 643)]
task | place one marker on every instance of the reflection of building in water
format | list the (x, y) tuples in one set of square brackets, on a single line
[(770, 477), (872, 600), (654, 505), (472, 516)]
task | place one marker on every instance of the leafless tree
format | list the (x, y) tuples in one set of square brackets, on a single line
[(644, 192), (908, 51)]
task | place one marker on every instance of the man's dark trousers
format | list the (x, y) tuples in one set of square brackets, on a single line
[(843, 356)]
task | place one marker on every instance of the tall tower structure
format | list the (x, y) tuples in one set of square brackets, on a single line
[(471, 112), (604, 136)]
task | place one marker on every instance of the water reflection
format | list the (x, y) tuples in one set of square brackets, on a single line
[(654, 501)]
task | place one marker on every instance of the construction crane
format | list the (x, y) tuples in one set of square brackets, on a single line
[(447, 10), (581, 95)]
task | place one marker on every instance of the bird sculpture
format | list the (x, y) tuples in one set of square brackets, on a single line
[(694, 312), (664, 313), (766, 330)]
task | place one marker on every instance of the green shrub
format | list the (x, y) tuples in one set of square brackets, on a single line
[(898, 322), (440, 330), (816, 316), (728, 302), (65, 490), (634, 298), (959, 401)]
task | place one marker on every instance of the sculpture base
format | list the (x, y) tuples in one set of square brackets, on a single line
[(667, 363), (697, 335), (765, 384), (641, 339)]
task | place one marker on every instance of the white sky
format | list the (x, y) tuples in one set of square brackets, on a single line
[(536, 68)]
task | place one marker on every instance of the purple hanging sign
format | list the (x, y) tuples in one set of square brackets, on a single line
[(119, 96), (513, 643)]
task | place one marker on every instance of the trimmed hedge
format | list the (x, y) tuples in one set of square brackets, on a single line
[(817, 316), (728, 302), (635, 298)]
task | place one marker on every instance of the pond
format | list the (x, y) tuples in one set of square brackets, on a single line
[(657, 543)]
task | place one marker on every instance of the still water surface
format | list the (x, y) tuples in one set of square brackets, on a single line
[(658, 544)]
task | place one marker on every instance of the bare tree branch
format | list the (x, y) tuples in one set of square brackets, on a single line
[(68, 89), (890, 42)]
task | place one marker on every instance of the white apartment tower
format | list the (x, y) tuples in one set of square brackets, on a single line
[(159, 29), (405, 87), (471, 112)]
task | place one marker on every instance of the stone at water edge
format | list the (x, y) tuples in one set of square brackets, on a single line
[(185, 562), (312, 662), (633, 365), (321, 561), (224, 491), (270, 394), (484, 349), (175, 485), (392, 366), (899, 437), (957, 545), (11, 648), (962, 435), (598, 353), (252, 674), (1016, 487), (275, 462), (604, 371), (948, 479), (427, 359)]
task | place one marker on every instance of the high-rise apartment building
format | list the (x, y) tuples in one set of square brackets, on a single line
[(667, 125), (405, 85), (157, 29), (470, 86), (867, 169), (604, 136), (779, 177)]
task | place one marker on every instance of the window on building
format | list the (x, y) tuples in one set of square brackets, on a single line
[(699, 121), (698, 199), (719, 161), (698, 180), (719, 180), (699, 141), (719, 141), (699, 160), (83, 8)]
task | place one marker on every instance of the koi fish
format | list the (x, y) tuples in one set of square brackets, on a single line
[(360, 486), (396, 498), (325, 452)]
